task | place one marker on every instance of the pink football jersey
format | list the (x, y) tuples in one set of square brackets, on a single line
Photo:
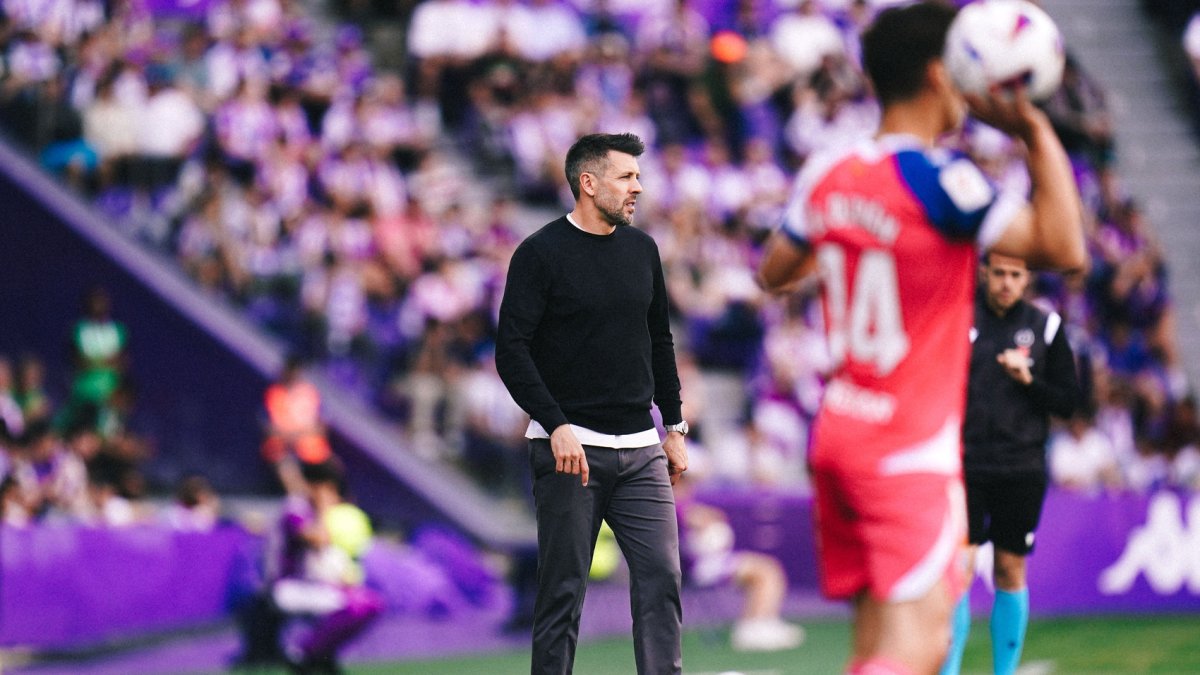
[(895, 228)]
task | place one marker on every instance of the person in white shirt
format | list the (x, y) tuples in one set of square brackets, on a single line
[(170, 127), (1082, 457)]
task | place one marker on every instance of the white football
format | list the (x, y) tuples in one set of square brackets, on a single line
[(1005, 42)]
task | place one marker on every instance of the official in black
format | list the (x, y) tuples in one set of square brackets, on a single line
[(1022, 372)]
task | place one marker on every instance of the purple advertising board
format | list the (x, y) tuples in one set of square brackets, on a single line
[(1094, 553), (66, 585), (63, 585)]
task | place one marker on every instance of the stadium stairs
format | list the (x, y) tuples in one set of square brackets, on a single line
[(1139, 64)]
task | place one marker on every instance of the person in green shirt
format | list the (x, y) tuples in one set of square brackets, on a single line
[(98, 344)]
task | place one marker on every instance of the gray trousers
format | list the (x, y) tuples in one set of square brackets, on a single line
[(631, 490)]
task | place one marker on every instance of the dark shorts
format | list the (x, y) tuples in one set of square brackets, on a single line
[(1005, 510)]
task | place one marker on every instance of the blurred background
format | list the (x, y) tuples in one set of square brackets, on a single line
[(237, 227)]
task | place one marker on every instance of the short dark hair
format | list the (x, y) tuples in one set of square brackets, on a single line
[(986, 258), (590, 154), (900, 43)]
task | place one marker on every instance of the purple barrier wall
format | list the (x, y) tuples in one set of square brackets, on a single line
[(778, 523), (63, 586), (1119, 553)]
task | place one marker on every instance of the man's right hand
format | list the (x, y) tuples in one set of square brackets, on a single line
[(568, 452), (1009, 110)]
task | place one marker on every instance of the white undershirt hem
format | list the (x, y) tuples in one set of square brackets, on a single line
[(640, 439)]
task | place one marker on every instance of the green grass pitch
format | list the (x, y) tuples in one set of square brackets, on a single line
[(1124, 645)]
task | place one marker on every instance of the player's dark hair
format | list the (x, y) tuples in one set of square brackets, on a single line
[(900, 43), (590, 154)]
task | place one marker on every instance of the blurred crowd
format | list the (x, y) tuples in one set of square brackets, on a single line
[(71, 456), (366, 215)]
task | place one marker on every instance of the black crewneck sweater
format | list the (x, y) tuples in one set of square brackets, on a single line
[(583, 336)]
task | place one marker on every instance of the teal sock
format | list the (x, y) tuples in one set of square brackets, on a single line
[(960, 624), (1010, 616)]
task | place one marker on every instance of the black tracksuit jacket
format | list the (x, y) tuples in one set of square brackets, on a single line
[(1006, 424)]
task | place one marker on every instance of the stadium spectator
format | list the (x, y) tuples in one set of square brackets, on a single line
[(1148, 471), (99, 345), (1133, 287), (13, 512), (318, 574), (12, 416), (444, 38), (196, 507), (672, 47), (831, 112), (541, 129), (1141, 467), (107, 504), (1182, 444), (768, 186), (711, 558), (494, 447), (1081, 458), (170, 127), (122, 444), (294, 433), (29, 389), (1079, 111), (1191, 49), (110, 127), (244, 127), (804, 37), (52, 481), (429, 391), (786, 392), (31, 62), (60, 136)]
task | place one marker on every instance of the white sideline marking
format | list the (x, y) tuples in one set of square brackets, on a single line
[(1037, 668)]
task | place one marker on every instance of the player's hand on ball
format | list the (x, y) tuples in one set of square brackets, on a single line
[(1007, 108)]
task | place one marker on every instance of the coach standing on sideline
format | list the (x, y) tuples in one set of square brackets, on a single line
[(584, 345), (1022, 371)]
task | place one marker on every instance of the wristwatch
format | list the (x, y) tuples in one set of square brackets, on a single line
[(682, 427)]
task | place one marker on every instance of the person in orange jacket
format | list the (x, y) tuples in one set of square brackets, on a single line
[(295, 434)]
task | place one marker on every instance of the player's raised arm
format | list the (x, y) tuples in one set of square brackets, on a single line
[(1049, 233)]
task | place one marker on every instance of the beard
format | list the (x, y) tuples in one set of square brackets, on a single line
[(612, 210)]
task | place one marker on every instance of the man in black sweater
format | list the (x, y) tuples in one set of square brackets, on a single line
[(1022, 371), (584, 346)]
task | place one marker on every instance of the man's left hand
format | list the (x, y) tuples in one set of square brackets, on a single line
[(677, 456)]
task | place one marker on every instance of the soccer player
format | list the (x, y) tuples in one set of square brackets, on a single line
[(1022, 370), (892, 225)]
